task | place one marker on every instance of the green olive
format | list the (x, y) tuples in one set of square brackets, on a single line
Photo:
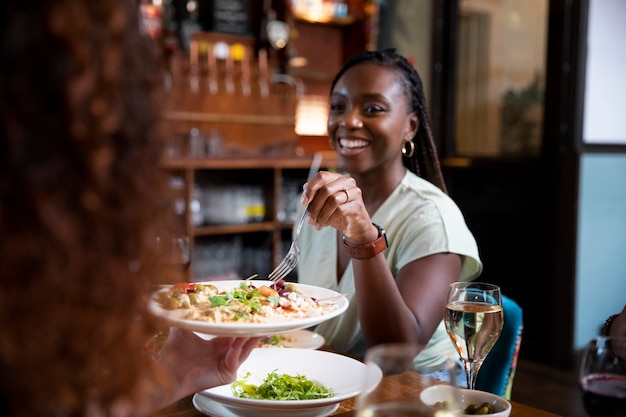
[(291, 287), (475, 409), (172, 303), (198, 287), (193, 298), (441, 405)]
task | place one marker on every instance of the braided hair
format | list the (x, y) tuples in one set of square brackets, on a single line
[(425, 160)]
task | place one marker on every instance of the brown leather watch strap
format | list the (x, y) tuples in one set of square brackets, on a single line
[(367, 250)]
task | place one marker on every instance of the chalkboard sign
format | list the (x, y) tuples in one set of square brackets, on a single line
[(226, 16)]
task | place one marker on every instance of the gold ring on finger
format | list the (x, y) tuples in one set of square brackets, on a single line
[(345, 190)]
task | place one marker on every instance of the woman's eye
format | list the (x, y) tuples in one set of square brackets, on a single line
[(336, 107), (372, 109)]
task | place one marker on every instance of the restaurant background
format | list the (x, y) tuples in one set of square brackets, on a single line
[(506, 81)]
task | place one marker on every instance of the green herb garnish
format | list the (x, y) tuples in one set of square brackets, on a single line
[(248, 297)]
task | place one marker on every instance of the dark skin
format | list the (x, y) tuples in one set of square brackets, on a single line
[(618, 330), (368, 123), (618, 327)]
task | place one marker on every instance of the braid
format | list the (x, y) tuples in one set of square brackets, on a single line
[(425, 160)]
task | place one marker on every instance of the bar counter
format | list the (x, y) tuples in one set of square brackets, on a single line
[(184, 407)]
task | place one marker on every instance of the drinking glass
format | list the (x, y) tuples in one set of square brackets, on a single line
[(603, 377), (473, 319), (391, 386)]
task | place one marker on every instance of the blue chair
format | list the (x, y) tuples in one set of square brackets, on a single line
[(498, 370)]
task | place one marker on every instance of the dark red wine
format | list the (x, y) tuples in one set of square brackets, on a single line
[(604, 395)]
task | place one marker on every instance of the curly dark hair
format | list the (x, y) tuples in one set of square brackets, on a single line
[(425, 160), (80, 189)]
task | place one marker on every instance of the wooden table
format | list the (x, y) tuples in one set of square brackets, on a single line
[(184, 407)]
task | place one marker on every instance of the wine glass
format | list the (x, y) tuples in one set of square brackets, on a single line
[(473, 320), (397, 394), (175, 257), (603, 377)]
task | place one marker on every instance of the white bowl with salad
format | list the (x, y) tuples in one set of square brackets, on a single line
[(289, 382)]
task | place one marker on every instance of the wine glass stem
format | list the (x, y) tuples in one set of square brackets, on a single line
[(471, 371)]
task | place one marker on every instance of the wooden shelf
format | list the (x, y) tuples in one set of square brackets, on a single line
[(326, 20), (207, 117), (236, 163), (234, 228), (214, 230)]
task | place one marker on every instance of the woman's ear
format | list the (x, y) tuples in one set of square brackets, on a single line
[(413, 123)]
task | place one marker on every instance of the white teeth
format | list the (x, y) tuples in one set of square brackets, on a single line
[(353, 143)]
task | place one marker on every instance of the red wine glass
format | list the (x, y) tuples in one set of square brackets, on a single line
[(603, 377)]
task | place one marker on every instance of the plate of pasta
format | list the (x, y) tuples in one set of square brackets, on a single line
[(249, 307)]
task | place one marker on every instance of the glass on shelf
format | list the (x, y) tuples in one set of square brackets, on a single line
[(289, 200), (220, 257), (202, 145), (217, 257), (231, 204)]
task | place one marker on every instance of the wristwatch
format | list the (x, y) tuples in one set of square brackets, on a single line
[(367, 250)]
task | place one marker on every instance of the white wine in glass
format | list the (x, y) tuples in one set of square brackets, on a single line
[(473, 319)]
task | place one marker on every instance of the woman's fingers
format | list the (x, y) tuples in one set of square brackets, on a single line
[(335, 200)]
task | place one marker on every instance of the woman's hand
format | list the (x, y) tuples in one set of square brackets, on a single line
[(335, 200), (197, 364)]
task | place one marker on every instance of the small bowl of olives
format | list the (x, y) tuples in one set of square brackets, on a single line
[(468, 402)]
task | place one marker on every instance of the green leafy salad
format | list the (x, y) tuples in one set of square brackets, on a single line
[(281, 387)]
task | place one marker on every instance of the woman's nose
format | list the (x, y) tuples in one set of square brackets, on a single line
[(351, 120)]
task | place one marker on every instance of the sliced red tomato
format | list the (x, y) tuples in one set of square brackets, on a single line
[(187, 286)]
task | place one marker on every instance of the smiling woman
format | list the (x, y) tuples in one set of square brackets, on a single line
[(398, 240)]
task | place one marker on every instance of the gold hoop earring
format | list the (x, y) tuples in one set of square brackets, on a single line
[(409, 150)]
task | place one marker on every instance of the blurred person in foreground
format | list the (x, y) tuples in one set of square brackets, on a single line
[(385, 232), (81, 191), (615, 325)]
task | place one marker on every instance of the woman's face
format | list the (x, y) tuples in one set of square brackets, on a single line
[(369, 118)]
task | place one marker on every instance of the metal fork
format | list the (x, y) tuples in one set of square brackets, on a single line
[(293, 256)]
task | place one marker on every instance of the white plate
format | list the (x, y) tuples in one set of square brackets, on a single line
[(340, 373), (301, 339), (212, 408), (253, 329)]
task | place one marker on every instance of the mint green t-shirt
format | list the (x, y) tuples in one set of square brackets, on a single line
[(420, 220)]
